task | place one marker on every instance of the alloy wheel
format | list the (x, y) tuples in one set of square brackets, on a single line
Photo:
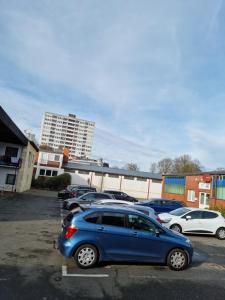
[(86, 256), (178, 260)]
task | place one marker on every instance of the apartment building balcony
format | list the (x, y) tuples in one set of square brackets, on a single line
[(11, 162)]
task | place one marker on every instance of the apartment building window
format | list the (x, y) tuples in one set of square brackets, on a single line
[(42, 172), (191, 196), (57, 157), (10, 179), (48, 173), (11, 151)]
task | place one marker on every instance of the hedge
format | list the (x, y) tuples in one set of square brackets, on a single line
[(219, 208), (52, 183)]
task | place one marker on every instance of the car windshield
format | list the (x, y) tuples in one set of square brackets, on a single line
[(179, 211)]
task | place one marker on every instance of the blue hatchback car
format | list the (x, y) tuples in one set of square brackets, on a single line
[(115, 233), (162, 205)]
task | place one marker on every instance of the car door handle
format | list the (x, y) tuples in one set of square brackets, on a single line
[(100, 228), (134, 233)]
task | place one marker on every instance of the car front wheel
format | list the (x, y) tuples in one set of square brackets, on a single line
[(86, 256), (220, 233), (176, 227), (177, 260)]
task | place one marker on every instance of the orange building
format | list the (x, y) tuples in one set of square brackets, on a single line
[(201, 190)]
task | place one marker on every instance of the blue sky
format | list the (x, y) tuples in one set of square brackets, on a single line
[(151, 74)]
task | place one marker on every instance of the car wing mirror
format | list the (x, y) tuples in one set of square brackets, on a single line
[(188, 218)]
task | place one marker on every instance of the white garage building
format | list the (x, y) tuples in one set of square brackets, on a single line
[(142, 185)]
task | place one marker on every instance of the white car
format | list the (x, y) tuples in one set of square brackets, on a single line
[(144, 209), (195, 220)]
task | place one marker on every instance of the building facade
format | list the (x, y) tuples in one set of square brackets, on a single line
[(48, 163), (201, 190), (17, 156), (67, 131), (142, 185)]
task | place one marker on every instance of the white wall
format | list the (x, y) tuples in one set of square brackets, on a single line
[(136, 188)]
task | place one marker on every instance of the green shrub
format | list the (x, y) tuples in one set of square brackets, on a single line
[(53, 183), (219, 208)]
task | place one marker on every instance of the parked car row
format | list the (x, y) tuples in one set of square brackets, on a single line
[(102, 228), (74, 191)]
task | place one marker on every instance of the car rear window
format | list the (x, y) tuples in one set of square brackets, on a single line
[(113, 219), (92, 218)]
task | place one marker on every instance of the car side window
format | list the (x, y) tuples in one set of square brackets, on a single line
[(139, 223), (88, 196), (113, 219), (194, 215), (209, 215), (93, 218)]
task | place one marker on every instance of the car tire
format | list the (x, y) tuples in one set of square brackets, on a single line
[(177, 260), (86, 256), (72, 206), (176, 227), (220, 233)]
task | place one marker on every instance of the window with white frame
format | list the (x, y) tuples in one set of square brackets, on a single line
[(191, 196)]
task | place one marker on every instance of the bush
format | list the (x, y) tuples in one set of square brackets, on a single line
[(221, 209), (53, 183)]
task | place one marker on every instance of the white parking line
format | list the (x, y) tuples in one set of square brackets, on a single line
[(65, 274)]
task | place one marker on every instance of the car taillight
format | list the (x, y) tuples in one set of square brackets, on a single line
[(70, 231), (159, 220), (73, 194)]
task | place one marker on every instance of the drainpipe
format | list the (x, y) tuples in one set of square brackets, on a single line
[(148, 188)]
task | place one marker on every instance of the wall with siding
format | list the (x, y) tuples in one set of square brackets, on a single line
[(136, 188)]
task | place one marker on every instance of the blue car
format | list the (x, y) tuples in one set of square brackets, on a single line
[(115, 233), (162, 205)]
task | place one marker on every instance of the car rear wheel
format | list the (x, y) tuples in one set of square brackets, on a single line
[(220, 233), (176, 227), (86, 256), (177, 260)]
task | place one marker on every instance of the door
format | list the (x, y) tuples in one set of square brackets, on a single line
[(145, 245), (114, 236), (192, 221), (204, 200)]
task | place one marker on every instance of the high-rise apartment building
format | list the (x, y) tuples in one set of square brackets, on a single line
[(67, 131)]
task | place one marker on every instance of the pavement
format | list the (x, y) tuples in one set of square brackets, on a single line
[(31, 268)]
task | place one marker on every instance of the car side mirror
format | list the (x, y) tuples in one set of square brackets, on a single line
[(157, 233), (188, 218)]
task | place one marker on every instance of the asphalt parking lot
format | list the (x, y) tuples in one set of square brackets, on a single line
[(32, 269)]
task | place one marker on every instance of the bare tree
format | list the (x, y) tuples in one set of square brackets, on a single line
[(165, 166), (181, 164), (185, 164), (132, 167)]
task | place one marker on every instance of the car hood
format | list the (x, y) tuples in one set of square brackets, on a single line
[(175, 234)]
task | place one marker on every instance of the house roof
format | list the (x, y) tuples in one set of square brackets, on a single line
[(105, 170), (10, 133)]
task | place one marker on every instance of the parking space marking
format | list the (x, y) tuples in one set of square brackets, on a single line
[(66, 274)]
